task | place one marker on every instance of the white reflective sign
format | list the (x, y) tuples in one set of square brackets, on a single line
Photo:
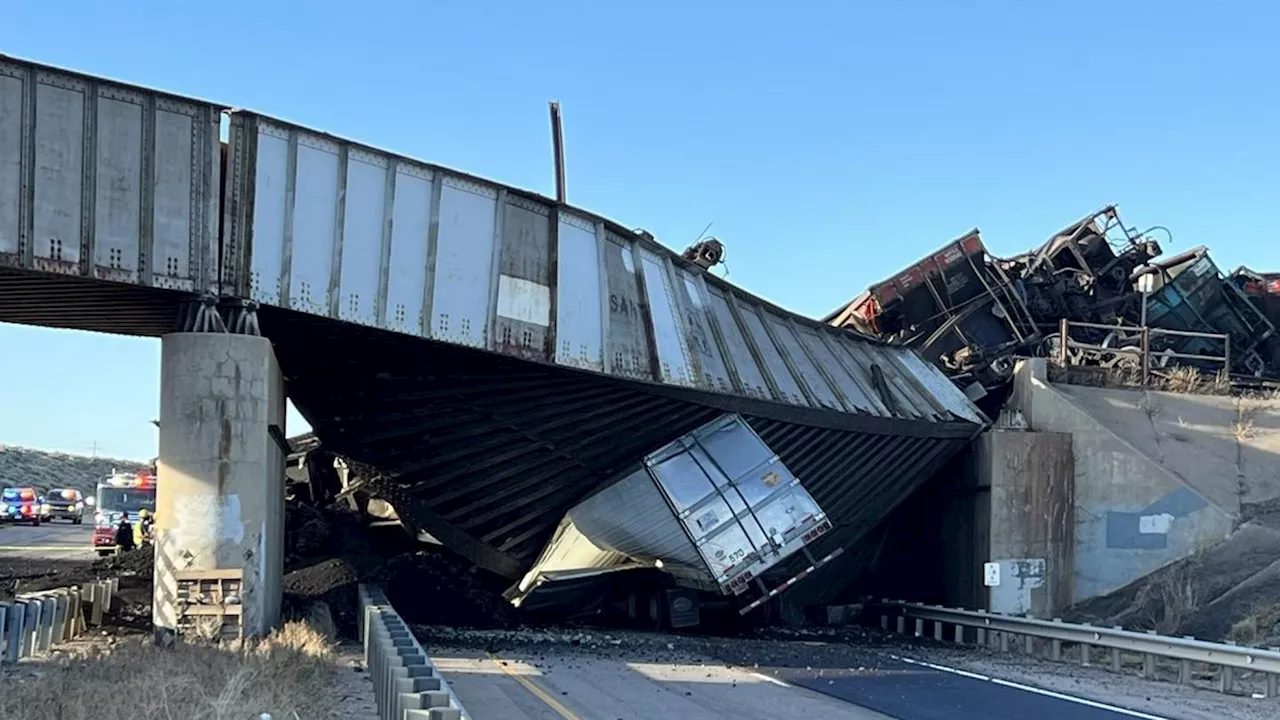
[(991, 574)]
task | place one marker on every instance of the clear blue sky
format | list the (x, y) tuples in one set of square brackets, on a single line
[(829, 143)]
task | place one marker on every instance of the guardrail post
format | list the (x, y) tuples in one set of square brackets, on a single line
[(1149, 661), (4, 619), (1271, 678), (76, 626), (31, 627), (1029, 644), (959, 638), (98, 597), (884, 622), (982, 637), (1184, 666), (61, 616), (919, 627), (1115, 654), (937, 630), (1227, 679), (1004, 641), (13, 633), (902, 625), (48, 611)]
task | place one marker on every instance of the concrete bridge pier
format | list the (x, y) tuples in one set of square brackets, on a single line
[(220, 489)]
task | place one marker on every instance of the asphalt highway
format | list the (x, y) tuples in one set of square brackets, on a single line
[(551, 685), (56, 540), (910, 690)]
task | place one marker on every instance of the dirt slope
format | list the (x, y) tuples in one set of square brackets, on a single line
[(1227, 592), (25, 466)]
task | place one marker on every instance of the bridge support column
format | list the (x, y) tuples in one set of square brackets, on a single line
[(220, 489)]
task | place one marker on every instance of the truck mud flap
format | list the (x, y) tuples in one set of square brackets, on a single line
[(797, 578)]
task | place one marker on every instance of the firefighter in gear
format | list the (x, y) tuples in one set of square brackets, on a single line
[(146, 525), (124, 534)]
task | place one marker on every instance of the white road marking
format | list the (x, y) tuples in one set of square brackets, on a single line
[(1031, 689), (768, 679)]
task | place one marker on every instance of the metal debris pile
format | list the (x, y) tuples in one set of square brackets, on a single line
[(1097, 294)]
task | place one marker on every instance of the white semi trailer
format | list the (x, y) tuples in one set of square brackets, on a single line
[(702, 519)]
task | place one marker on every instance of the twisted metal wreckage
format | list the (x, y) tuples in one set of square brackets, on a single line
[(1098, 293), (1093, 295)]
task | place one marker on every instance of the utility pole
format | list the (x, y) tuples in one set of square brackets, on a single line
[(557, 147)]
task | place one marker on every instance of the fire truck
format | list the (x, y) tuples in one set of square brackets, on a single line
[(122, 494)]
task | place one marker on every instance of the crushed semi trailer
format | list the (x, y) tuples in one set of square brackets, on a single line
[(715, 511)]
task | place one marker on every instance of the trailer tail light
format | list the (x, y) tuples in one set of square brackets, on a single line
[(815, 532)]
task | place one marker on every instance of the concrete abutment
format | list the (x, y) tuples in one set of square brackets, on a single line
[(220, 490)]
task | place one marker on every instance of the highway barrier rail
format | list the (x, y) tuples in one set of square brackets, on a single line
[(33, 623), (406, 684), (1087, 644)]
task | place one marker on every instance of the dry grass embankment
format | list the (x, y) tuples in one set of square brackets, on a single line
[(290, 676), (44, 469)]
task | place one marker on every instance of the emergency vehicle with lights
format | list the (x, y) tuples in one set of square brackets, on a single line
[(122, 494), (64, 504), (22, 504)]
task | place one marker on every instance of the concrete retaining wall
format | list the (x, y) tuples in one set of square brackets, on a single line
[(1133, 514)]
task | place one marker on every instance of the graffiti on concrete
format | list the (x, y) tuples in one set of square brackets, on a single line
[(1148, 529)]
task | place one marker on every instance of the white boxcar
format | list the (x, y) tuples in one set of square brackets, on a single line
[(109, 181), (326, 226)]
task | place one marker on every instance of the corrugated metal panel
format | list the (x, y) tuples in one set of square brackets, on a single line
[(314, 222), (104, 180), (496, 450)]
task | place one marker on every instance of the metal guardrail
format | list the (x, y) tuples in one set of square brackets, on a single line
[(34, 623), (406, 684), (992, 629)]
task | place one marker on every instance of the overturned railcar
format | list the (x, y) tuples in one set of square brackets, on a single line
[(1263, 290), (1083, 272), (1191, 294), (716, 512), (959, 311)]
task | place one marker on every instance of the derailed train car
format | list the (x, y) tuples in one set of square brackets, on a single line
[(1191, 294), (1263, 291), (954, 307), (1086, 274)]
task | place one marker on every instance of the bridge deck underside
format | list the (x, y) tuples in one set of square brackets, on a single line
[(488, 452), (79, 303)]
